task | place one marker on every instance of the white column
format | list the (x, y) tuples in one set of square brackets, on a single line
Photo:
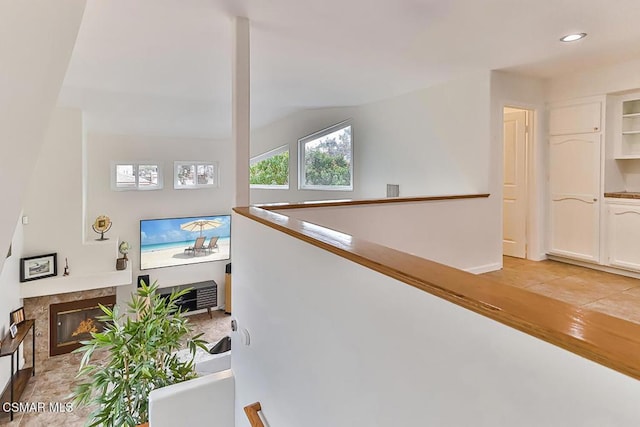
[(241, 109)]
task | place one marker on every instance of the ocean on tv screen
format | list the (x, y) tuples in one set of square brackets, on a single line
[(167, 242)]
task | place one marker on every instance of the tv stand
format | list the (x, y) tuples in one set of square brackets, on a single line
[(202, 295)]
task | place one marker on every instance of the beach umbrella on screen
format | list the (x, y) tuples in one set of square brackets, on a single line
[(200, 225)]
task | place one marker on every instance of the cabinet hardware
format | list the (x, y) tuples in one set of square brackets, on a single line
[(626, 212), (574, 198)]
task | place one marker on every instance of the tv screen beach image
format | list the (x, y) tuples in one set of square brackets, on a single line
[(181, 241)]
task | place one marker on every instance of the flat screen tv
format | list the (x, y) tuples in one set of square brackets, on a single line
[(168, 242)]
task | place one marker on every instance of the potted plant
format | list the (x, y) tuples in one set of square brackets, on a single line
[(140, 358)]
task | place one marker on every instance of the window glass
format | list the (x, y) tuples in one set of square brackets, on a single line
[(270, 170), (195, 175), (125, 177), (136, 176), (147, 175), (326, 159)]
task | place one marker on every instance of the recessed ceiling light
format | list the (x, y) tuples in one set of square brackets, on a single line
[(573, 37)]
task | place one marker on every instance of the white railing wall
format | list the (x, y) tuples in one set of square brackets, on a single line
[(461, 233), (332, 343)]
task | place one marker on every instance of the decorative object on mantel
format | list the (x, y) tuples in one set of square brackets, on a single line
[(66, 267), (38, 267), (123, 248), (17, 316), (139, 358), (101, 225), (13, 330)]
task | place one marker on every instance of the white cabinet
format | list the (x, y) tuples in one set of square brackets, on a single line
[(574, 165), (623, 235), (628, 141), (574, 228), (575, 181), (581, 117)]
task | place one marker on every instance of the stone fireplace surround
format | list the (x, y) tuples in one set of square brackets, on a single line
[(38, 308)]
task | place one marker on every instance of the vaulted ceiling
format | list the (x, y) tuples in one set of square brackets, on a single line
[(164, 66)]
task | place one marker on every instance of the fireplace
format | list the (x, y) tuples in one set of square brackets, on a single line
[(72, 322)]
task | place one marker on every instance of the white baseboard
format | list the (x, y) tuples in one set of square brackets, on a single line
[(600, 267), (484, 268), (538, 257)]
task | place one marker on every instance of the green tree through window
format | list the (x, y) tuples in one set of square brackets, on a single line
[(327, 159), (273, 170)]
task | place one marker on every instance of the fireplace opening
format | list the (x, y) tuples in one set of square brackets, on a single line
[(72, 322)]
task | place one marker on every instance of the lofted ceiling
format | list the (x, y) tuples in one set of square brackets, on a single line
[(163, 67)]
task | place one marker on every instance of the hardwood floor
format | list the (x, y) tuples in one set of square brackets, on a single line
[(616, 295)]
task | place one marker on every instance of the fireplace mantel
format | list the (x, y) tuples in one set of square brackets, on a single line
[(75, 283)]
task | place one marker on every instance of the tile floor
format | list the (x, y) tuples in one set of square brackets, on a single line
[(609, 293), (55, 378)]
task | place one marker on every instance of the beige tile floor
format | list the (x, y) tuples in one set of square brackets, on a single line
[(54, 380), (609, 293)]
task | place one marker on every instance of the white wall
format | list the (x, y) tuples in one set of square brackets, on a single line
[(619, 77), (528, 93), (433, 141), (53, 202), (36, 40), (58, 197), (335, 344), (451, 232), (10, 300), (430, 142), (127, 208)]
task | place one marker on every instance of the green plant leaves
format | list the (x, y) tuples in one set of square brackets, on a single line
[(140, 358)]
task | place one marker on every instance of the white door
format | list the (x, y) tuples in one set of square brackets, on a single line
[(514, 195)]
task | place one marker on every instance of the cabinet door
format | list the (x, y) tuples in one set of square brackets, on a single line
[(577, 118), (575, 228), (623, 229), (574, 175), (574, 165)]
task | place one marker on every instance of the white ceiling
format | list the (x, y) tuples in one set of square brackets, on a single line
[(162, 67)]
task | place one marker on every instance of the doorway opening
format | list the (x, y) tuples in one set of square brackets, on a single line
[(515, 194)]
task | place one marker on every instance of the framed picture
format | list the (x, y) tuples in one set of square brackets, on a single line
[(17, 316), (38, 267), (13, 330)]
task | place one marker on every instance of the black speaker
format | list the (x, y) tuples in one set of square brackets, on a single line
[(227, 268), (145, 278)]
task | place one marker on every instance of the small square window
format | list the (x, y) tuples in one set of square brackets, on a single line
[(195, 175), (136, 176)]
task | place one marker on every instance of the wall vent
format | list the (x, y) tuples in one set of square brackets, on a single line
[(393, 190)]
